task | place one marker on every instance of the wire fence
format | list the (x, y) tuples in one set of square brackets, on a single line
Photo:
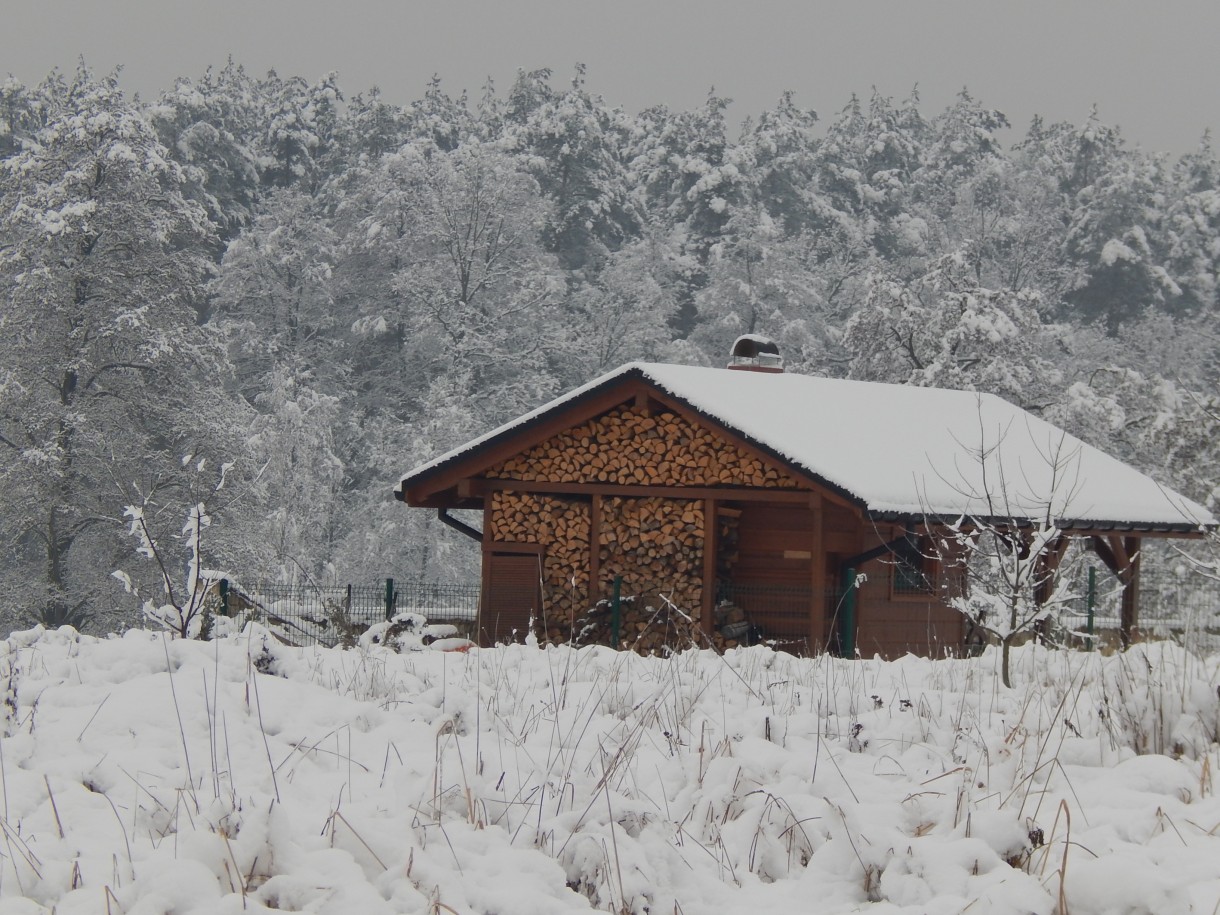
[(309, 614), (1177, 603)]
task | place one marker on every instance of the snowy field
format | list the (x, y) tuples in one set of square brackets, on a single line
[(143, 775)]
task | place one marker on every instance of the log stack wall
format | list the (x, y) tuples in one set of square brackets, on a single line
[(656, 543), (631, 447)]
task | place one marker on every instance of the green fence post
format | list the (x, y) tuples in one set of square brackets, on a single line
[(615, 616), (389, 599), (847, 642), (1092, 604), (223, 587)]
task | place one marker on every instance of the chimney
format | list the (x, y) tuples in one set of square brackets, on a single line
[(755, 353)]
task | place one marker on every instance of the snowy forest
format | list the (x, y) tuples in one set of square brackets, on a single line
[(250, 304)]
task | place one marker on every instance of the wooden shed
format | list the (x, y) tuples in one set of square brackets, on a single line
[(734, 502)]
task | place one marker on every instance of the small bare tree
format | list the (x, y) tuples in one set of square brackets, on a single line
[(1007, 547), (184, 610)]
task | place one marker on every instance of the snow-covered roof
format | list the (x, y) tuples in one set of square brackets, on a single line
[(902, 450)]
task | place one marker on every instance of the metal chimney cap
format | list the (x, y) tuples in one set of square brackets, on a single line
[(754, 352)]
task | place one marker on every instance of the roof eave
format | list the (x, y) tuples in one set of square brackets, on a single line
[(1078, 526)]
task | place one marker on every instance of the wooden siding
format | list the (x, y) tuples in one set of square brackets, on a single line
[(892, 623), (772, 575), (774, 544)]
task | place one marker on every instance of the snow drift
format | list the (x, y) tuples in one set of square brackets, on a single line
[(150, 775)]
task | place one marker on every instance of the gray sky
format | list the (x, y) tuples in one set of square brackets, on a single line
[(1151, 65)]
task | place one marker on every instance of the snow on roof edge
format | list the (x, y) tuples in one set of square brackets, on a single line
[(689, 385)]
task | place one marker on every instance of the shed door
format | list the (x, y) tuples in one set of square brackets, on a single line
[(511, 597), (773, 576)]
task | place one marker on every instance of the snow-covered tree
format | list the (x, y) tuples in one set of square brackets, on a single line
[(573, 144), (1003, 557), (299, 130), (474, 280), (783, 163), (1192, 226), (210, 127), (1116, 234), (622, 316), (19, 115), (944, 330), (689, 178), (102, 263), (962, 144), (275, 291)]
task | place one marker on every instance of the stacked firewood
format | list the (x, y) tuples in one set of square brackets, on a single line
[(655, 543), (561, 527), (630, 447)]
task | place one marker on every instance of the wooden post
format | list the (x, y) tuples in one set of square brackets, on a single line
[(1131, 591), (1046, 574), (1121, 555), (1046, 571), (711, 533), (595, 550), (817, 562)]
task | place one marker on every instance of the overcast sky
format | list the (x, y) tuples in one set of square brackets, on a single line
[(1152, 66)]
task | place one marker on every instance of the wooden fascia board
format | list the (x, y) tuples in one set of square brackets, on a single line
[(424, 490)]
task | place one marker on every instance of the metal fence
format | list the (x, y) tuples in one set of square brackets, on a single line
[(1172, 602), (309, 614)]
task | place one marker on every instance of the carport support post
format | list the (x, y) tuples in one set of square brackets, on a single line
[(1122, 556), (1131, 591)]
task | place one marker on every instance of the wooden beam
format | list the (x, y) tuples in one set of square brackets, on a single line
[(481, 635), (1047, 569), (1122, 557), (1106, 555), (711, 533), (1118, 549), (670, 492), (512, 546)]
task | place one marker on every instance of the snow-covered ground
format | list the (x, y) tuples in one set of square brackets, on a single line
[(144, 775)]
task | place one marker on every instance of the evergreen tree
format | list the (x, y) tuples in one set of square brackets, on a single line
[(575, 147), (1192, 227), (210, 127)]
